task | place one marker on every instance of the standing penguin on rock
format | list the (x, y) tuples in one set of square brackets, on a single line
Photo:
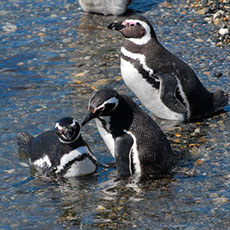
[(165, 84), (61, 150), (138, 145)]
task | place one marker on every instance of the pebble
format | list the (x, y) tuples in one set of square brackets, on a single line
[(9, 28), (220, 200), (101, 82), (224, 30), (79, 74), (216, 18), (217, 74), (3, 12), (10, 171), (53, 16), (199, 40), (218, 14), (100, 208), (24, 165), (213, 195)]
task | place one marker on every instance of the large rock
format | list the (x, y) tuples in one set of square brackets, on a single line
[(106, 7)]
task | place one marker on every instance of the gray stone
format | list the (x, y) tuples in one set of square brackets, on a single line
[(106, 7)]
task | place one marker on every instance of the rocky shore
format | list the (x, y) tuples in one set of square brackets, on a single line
[(216, 12)]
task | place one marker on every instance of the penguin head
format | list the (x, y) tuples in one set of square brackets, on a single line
[(136, 29), (67, 130), (102, 103)]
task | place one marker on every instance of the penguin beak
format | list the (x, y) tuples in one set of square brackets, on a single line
[(91, 116), (116, 26)]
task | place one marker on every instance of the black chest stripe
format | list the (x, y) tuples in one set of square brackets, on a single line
[(151, 79), (79, 158)]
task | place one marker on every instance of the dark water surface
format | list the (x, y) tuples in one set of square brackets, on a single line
[(52, 57)]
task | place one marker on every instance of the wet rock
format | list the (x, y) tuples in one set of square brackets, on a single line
[(166, 4), (224, 30), (106, 7), (9, 28), (217, 74), (101, 82), (202, 11), (100, 208), (217, 17)]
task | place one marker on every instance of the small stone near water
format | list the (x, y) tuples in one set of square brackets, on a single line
[(217, 17), (3, 12), (202, 11), (24, 165), (198, 162), (9, 28), (100, 208), (220, 200), (101, 82), (10, 171), (199, 40), (79, 74), (224, 30), (166, 4), (217, 74)]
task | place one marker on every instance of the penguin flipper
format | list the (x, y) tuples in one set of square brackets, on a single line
[(167, 93), (24, 140), (123, 144)]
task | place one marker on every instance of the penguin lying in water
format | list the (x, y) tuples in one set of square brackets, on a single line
[(61, 150), (165, 84), (136, 142)]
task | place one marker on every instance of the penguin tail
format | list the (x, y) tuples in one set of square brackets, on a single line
[(221, 99), (24, 140)]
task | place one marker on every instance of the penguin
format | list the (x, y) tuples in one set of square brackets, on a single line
[(164, 84), (61, 151), (137, 143)]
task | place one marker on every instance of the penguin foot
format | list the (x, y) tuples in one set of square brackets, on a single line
[(221, 99)]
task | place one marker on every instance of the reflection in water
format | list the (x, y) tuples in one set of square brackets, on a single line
[(109, 203)]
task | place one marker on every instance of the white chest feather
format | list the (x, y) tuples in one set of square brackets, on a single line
[(78, 167), (106, 136), (43, 162), (81, 168), (148, 95), (134, 156)]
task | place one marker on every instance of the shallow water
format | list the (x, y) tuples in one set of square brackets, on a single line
[(52, 57)]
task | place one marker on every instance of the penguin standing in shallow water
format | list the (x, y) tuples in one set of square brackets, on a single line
[(165, 85), (62, 150), (136, 142)]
